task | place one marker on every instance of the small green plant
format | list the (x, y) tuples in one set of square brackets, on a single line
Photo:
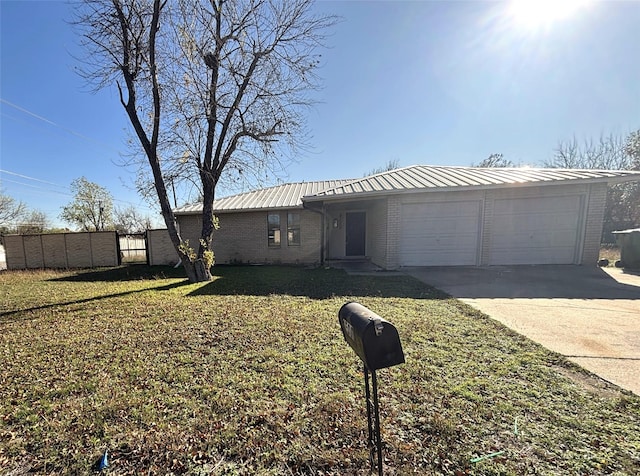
[(208, 256), (188, 250)]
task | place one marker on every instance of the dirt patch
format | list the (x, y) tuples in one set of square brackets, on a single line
[(590, 382)]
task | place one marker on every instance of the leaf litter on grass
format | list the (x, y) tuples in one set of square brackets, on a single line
[(173, 378)]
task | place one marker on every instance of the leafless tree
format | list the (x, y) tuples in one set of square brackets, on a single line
[(607, 153), (495, 160), (389, 166), (34, 222), (128, 220), (622, 209), (10, 211), (215, 90)]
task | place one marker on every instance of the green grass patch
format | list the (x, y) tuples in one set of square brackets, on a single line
[(249, 374)]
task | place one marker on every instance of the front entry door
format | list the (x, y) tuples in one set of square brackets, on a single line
[(355, 233)]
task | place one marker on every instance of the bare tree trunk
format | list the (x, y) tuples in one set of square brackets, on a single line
[(197, 271)]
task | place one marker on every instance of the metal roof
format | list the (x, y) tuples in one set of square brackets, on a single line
[(280, 196), (418, 178)]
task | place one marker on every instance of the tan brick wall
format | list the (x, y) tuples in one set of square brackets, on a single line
[(394, 206), (596, 200), (160, 249), (242, 238)]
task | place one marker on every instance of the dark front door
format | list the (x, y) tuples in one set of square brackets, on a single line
[(355, 233)]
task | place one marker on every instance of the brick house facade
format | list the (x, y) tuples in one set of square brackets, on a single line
[(417, 216)]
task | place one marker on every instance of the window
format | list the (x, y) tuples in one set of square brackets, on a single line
[(273, 227), (293, 229)]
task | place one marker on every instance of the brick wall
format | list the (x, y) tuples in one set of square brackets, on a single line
[(394, 210), (242, 238)]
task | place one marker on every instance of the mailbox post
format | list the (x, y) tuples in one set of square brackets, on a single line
[(376, 341)]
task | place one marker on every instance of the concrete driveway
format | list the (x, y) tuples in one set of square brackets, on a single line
[(590, 315)]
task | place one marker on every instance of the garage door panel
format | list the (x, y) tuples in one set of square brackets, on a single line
[(439, 234), (532, 205), (533, 222), (539, 239), (541, 230)]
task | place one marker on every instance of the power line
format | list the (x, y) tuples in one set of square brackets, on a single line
[(15, 106), (54, 124), (38, 188), (67, 191), (29, 178)]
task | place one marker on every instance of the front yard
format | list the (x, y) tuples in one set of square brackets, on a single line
[(249, 374)]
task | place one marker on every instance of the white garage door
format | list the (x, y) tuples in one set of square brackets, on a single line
[(439, 234), (535, 230)]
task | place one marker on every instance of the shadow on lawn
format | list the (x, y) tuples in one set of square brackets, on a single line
[(315, 283), (256, 280), (132, 272), (6, 316)]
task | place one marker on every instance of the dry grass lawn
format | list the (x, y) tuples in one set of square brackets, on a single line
[(249, 374)]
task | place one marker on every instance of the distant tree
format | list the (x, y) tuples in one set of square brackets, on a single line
[(214, 90), (622, 209), (495, 160), (128, 220), (607, 153), (632, 149), (11, 211), (33, 222), (389, 166), (91, 208)]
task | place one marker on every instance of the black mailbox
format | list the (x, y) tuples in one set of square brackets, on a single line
[(374, 339)]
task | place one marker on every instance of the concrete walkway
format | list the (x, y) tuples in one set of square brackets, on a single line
[(590, 315)]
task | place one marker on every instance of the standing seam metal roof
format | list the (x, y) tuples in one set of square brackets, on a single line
[(422, 177), (280, 196), (408, 179)]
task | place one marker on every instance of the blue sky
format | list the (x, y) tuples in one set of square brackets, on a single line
[(443, 83)]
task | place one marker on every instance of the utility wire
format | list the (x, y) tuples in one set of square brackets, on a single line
[(50, 122), (29, 178), (67, 189)]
